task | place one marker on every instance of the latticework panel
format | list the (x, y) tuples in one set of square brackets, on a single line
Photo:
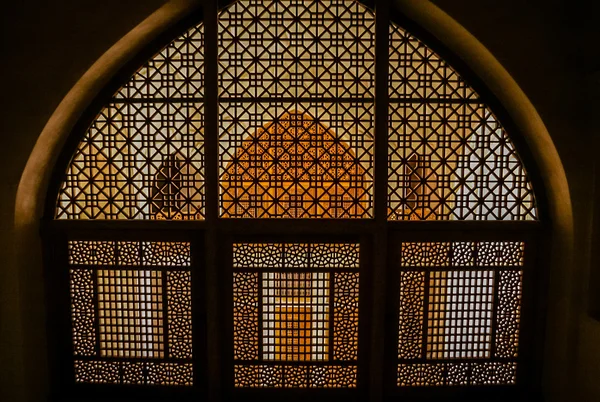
[(345, 316), (133, 373), (417, 72), (179, 318), (83, 312), (131, 309), (510, 285), (305, 160), (463, 254), (296, 88), (459, 302), (295, 305), (176, 72), (411, 316), (309, 62), (449, 157), (295, 309), (296, 49), (148, 253), (467, 373), (277, 376), (453, 332), (143, 155)]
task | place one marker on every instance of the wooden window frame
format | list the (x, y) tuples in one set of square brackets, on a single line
[(212, 282)]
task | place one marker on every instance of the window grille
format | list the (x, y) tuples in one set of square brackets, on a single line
[(284, 143)]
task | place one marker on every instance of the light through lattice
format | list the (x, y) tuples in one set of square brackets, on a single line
[(449, 157), (295, 138), (460, 305), (131, 311), (296, 316), (294, 167), (305, 299), (143, 155), (459, 321), (301, 83)]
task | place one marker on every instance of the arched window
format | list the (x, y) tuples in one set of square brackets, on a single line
[(324, 172)]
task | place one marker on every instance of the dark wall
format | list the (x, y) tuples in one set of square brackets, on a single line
[(550, 49), (547, 46), (46, 47)]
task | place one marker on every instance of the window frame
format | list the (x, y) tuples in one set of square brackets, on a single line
[(378, 361)]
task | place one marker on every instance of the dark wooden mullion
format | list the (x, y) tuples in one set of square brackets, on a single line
[(105, 229), (198, 313), (532, 319), (378, 288), (57, 274), (211, 141)]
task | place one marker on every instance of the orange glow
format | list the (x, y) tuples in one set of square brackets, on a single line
[(294, 168)]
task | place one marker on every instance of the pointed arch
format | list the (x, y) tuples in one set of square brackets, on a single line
[(535, 127)]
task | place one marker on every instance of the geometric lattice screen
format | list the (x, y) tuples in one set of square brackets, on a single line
[(460, 310), (295, 314), (448, 156), (296, 113), (296, 118), (294, 138), (131, 312), (143, 156)]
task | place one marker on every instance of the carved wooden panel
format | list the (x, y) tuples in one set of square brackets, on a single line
[(296, 92), (449, 158), (295, 304), (131, 310), (459, 312), (143, 155), (296, 49)]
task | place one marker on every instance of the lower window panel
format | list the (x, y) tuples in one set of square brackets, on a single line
[(459, 313), (295, 314), (131, 312), (133, 373), (265, 376), (465, 373)]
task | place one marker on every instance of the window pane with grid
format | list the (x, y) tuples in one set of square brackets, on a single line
[(131, 309), (449, 158), (295, 316), (295, 304), (459, 312), (296, 89)]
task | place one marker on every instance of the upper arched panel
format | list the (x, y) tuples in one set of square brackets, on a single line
[(280, 62), (449, 158), (157, 117), (279, 57), (297, 49)]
